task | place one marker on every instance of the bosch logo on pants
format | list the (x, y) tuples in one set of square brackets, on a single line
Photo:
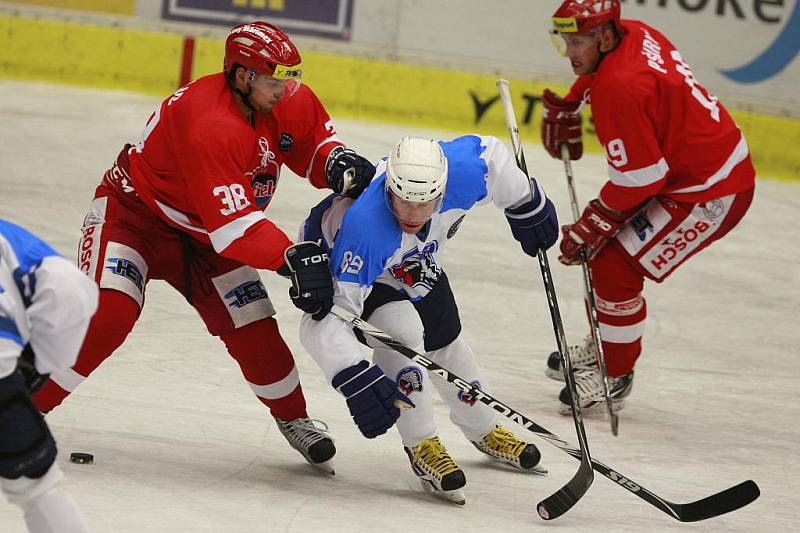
[(673, 246)]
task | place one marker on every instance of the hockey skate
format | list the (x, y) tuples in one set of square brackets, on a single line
[(311, 440), (437, 471), (582, 356), (503, 446), (591, 397)]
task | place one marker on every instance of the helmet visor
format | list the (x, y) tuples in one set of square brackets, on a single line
[(284, 81), (564, 41)]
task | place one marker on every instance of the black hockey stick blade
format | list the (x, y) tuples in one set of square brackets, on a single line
[(718, 504), (562, 500)]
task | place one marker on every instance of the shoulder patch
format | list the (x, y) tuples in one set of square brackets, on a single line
[(286, 142)]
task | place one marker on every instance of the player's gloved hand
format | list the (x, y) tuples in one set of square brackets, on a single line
[(348, 173), (561, 124), (308, 266), (371, 397), (26, 367), (597, 225), (534, 224)]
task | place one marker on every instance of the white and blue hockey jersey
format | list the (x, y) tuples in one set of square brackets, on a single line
[(44, 300), (366, 244)]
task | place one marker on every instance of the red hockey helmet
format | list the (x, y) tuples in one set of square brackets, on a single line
[(582, 16), (263, 48)]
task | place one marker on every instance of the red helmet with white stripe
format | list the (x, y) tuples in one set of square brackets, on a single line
[(263, 48), (582, 16)]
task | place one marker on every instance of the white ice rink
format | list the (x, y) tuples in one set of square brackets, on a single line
[(182, 445)]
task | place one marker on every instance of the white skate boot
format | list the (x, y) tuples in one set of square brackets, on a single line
[(591, 398), (502, 445), (582, 356), (437, 470), (312, 441)]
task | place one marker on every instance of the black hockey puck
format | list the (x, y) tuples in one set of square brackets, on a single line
[(81, 458)]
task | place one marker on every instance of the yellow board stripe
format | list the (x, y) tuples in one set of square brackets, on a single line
[(365, 89), (117, 7)]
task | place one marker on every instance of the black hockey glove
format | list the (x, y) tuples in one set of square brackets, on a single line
[(373, 398), (347, 172), (27, 369), (534, 224), (308, 266)]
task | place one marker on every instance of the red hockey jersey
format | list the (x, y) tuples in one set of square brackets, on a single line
[(204, 169), (663, 133)]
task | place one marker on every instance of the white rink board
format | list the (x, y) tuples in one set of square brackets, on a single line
[(181, 444)]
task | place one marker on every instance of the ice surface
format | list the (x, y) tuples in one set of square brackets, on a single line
[(181, 444)]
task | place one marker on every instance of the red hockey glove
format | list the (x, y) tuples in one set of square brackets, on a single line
[(561, 123), (598, 225)]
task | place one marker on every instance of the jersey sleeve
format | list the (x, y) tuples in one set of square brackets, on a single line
[(61, 307), (625, 122), (212, 160), (507, 185), (330, 341), (305, 119)]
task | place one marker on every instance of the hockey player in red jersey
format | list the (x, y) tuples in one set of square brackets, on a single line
[(680, 177), (186, 205)]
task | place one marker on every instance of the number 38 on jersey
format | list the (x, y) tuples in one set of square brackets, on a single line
[(233, 198)]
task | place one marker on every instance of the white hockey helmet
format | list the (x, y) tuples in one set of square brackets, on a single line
[(417, 170)]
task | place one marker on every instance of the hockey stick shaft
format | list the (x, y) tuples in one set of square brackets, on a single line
[(561, 501), (714, 505), (588, 291)]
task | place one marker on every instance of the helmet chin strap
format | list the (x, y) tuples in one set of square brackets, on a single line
[(245, 96)]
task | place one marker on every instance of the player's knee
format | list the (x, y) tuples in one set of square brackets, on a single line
[(27, 447), (400, 320)]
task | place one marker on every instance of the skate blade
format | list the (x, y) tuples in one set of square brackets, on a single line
[(538, 470), (325, 467), (593, 410), (557, 375), (452, 496)]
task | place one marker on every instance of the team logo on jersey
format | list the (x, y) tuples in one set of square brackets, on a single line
[(466, 397), (418, 268), (286, 142), (713, 209), (642, 226), (264, 186), (127, 269), (409, 379), (246, 293), (454, 228), (265, 176)]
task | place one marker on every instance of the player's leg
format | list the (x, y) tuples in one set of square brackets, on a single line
[(659, 239), (429, 458), (621, 313), (114, 253), (29, 476), (444, 345), (235, 307)]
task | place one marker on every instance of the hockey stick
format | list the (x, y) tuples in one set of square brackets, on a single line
[(568, 495), (588, 291), (720, 503)]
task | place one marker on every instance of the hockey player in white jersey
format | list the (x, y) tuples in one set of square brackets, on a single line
[(45, 306), (386, 257)]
